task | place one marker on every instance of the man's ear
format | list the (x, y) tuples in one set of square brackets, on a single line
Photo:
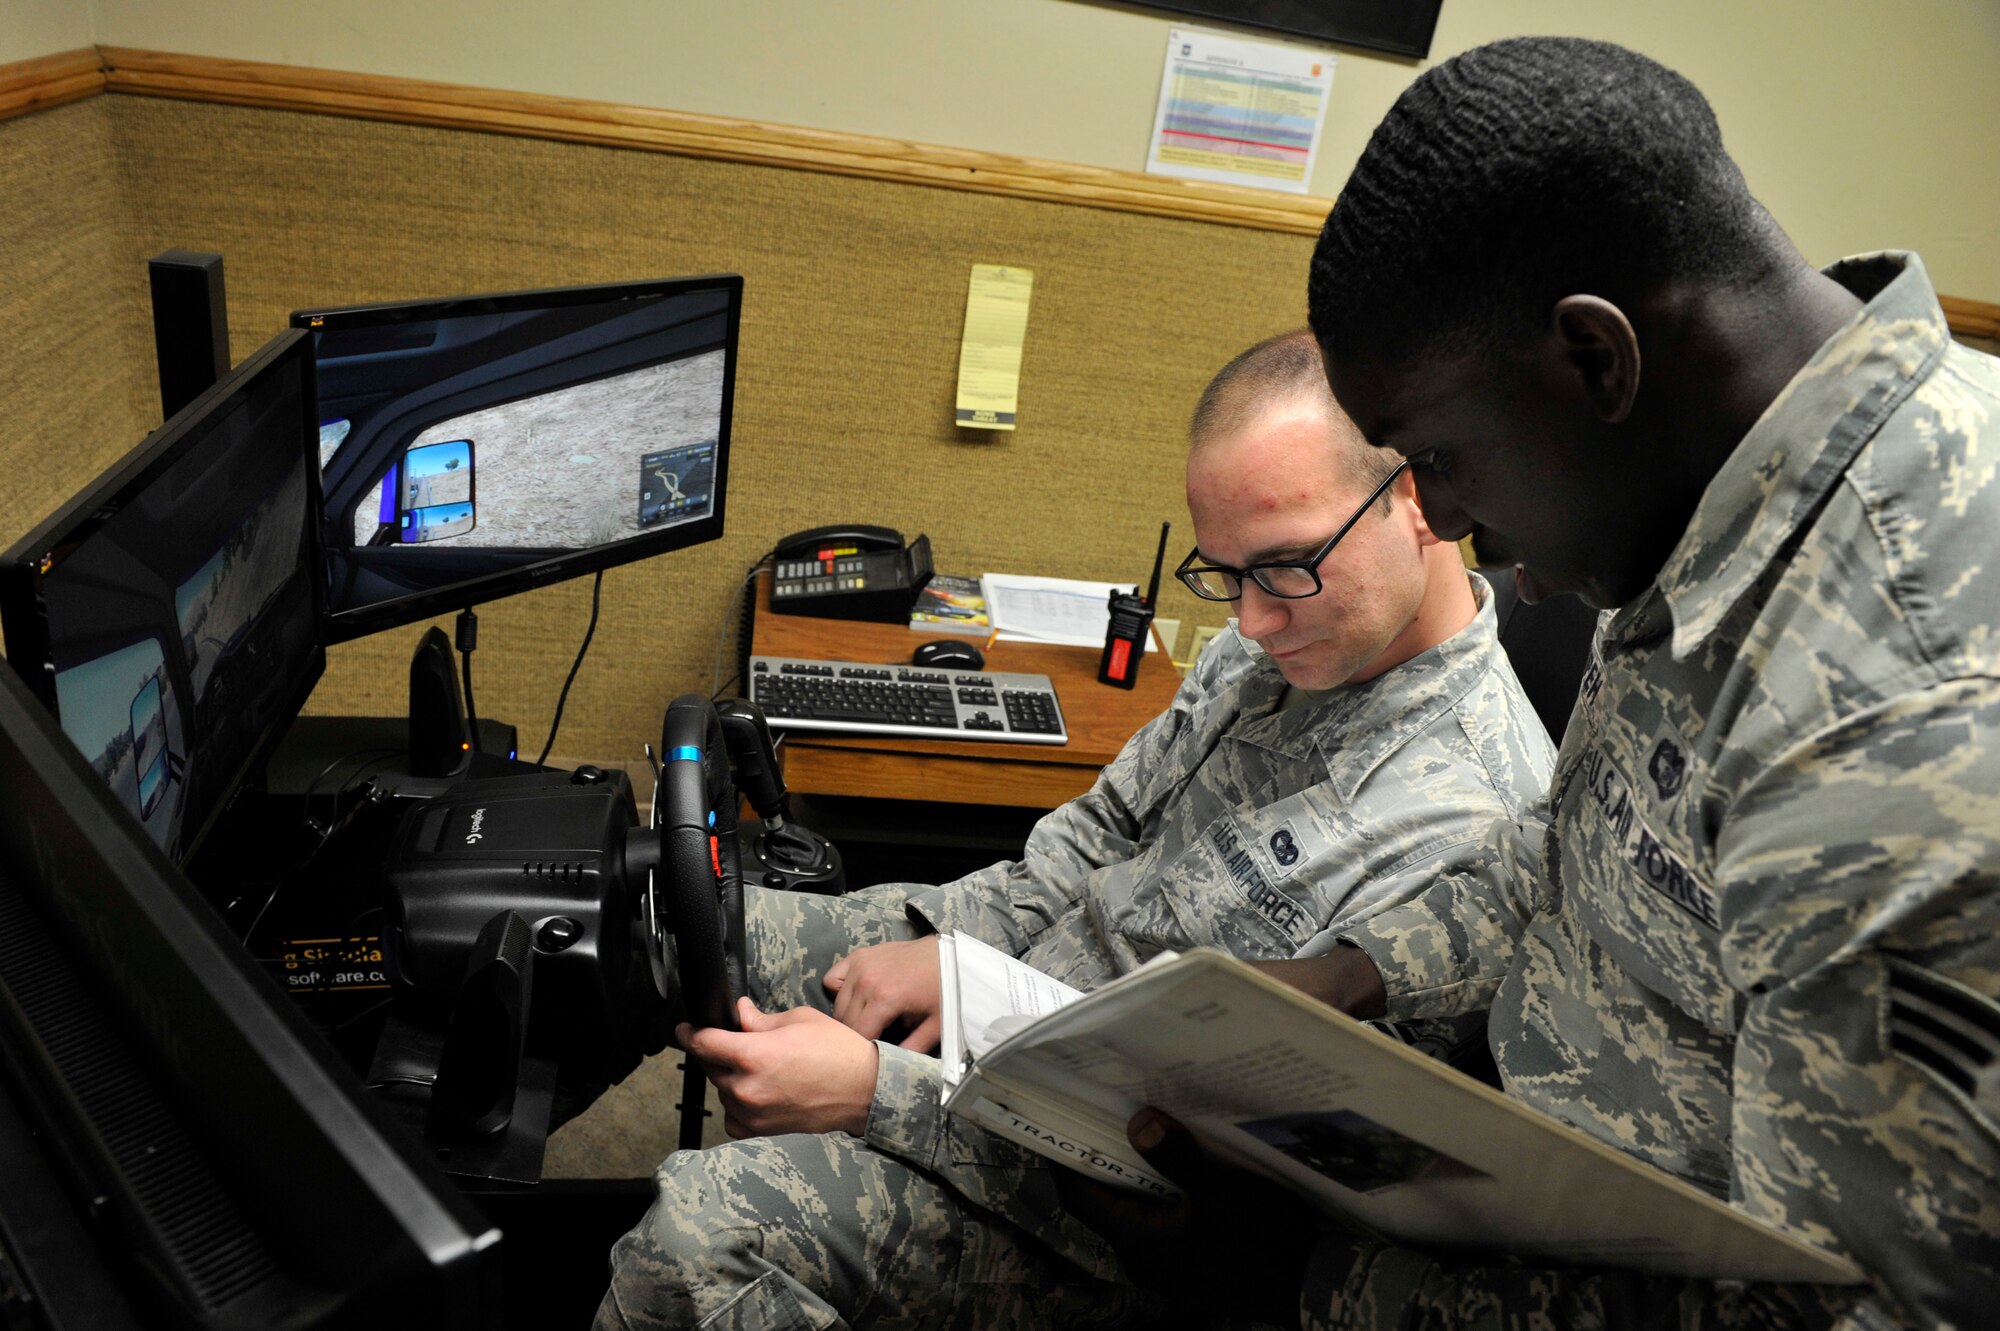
[(1405, 489), (1600, 353)]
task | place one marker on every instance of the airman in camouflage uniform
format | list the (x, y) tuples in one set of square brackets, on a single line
[(1230, 820), (1752, 937), (1249, 816), (1753, 934)]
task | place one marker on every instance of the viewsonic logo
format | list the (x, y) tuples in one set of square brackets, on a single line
[(478, 817)]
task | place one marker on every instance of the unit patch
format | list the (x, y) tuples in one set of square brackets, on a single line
[(1668, 768), (1284, 846)]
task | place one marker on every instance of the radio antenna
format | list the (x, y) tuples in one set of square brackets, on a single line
[(1159, 559)]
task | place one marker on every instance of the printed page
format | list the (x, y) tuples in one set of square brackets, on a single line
[(998, 995), (1004, 992), (1091, 1144), (1070, 611), (951, 1040), (1372, 1130)]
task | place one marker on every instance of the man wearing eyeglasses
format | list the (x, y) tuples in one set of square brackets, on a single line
[(1344, 744), (1395, 590)]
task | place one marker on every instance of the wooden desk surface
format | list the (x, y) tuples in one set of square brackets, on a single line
[(1099, 718)]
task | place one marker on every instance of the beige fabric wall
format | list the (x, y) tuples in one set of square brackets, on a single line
[(72, 308), (854, 300)]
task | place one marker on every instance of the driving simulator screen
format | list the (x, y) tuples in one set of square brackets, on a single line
[(466, 440)]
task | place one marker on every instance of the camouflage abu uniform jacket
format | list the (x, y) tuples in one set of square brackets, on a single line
[(1753, 937), (1231, 821)]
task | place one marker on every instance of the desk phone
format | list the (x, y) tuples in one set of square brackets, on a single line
[(849, 572)]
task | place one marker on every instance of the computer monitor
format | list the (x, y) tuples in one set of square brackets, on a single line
[(161, 1100), (477, 446), (169, 614)]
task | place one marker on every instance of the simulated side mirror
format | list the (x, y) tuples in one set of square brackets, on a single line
[(438, 498), (149, 745)]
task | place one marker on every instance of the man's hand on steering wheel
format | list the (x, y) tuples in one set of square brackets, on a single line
[(796, 1071), (698, 888), (877, 986)]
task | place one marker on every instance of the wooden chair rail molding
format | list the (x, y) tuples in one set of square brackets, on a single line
[(575, 120), (1971, 318), (34, 85), (50, 80)]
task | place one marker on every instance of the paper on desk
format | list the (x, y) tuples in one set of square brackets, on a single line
[(989, 353), (1239, 112), (1069, 611)]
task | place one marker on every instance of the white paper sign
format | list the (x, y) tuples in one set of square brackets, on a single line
[(1240, 112)]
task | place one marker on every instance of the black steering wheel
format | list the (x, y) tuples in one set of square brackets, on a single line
[(696, 893)]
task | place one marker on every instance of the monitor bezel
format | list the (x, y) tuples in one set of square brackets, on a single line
[(342, 625), (23, 612), (292, 1133)]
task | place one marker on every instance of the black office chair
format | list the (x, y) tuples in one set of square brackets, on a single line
[(1547, 644)]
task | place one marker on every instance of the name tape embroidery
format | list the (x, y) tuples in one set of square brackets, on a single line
[(1273, 904), (1636, 844)]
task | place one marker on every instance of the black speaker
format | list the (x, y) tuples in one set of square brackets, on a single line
[(439, 736), (190, 325)]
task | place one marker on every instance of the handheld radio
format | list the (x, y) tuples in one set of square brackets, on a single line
[(1131, 621)]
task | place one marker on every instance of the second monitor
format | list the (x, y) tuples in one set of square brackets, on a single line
[(166, 614), (477, 446)]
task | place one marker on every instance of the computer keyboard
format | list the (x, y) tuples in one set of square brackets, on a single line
[(906, 700)]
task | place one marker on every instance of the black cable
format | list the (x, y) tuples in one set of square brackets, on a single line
[(361, 1016), (352, 939), (366, 756), (596, 588), (743, 610), (468, 638)]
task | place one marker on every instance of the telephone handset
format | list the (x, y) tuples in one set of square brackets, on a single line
[(857, 535), (849, 571)]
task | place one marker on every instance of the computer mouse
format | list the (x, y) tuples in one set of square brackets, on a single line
[(949, 654)]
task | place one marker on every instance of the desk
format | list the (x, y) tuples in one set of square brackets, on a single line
[(1039, 776)]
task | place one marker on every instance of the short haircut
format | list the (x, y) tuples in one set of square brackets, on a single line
[(1518, 173), (1282, 368)]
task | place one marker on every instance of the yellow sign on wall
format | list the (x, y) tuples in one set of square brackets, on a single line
[(989, 354)]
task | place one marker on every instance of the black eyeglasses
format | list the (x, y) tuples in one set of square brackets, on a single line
[(1290, 579)]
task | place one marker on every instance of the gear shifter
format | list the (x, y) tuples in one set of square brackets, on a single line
[(783, 854)]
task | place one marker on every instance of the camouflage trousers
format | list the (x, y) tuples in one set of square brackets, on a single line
[(1361, 1285), (817, 1231)]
